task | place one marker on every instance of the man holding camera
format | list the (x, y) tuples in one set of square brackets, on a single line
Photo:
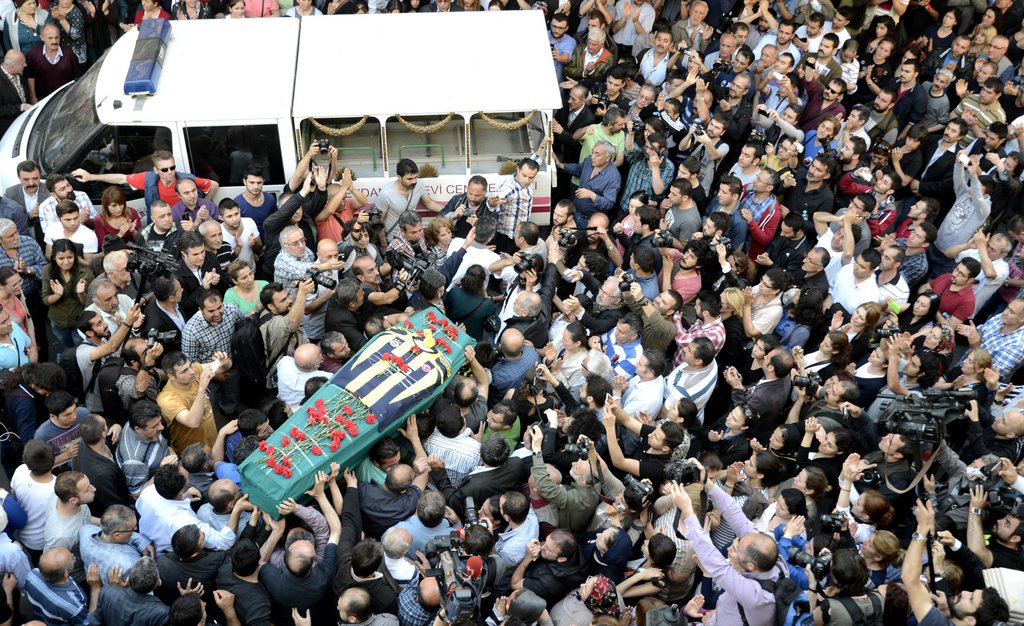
[(296, 262), (466, 208), (575, 503)]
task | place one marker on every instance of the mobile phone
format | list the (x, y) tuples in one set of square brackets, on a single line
[(215, 366), (561, 353), (778, 75), (964, 160)]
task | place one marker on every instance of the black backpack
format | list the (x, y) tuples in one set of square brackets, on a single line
[(111, 370), (786, 592), (73, 381), (249, 358)]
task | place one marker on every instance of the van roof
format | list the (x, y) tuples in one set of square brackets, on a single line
[(339, 66)]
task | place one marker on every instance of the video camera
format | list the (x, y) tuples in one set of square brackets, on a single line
[(400, 260), (924, 418), (149, 263), (1002, 502), (320, 278), (461, 580)]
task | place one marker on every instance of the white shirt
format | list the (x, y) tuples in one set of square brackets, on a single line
[(48, 210), (898, 291), (84, 236), (835, 258), (849, 294), (461, 454), (124, 304), (34, 497), (159, 519), (627, 35), (644, 396), (291, 381), (475, 255), (249, 229)]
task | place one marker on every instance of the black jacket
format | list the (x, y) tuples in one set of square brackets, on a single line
[(383, 589), (552, 580), (158, 320), (10, 101), (508, 477), (565, 145), (535, 329), (191, 287), (282, 217)]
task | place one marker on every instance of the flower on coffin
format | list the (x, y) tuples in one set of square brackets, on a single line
[(371, 418)]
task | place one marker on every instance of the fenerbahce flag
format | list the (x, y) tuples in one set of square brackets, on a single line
[(400, 371)]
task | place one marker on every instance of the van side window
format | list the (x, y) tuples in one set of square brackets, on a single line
[(443, 148), (359, 146), (122, 150), (493, 147), (222, 153)]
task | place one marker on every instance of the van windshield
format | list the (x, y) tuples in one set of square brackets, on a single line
[(66, 123)]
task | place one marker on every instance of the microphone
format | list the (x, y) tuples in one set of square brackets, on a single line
[(474, 566)]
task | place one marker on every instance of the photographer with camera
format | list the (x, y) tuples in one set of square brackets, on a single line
[(577, 502), (551, 568), (140, 378), (658, 443), (296, 262), (850, 599), (980, 607), (709, 146)]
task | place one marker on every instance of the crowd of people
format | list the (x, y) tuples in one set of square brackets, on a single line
[(757, 368)]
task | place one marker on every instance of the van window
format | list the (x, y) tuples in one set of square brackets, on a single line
[(359, 150), (222, 153), (492, 147), (122, 150), (444, 148)]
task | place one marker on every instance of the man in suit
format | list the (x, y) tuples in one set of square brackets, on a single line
[(162, 312), (28, 193), (936, 179), (13, 98), (441, 6), (570, 123), (498, 474), (197, 270)]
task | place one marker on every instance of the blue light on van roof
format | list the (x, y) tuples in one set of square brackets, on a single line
[(147, 60)]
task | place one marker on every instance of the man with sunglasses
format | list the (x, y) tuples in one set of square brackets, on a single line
[(158, 184)]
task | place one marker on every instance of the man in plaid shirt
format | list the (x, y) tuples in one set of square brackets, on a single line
[(1002, 337), (708, 324)]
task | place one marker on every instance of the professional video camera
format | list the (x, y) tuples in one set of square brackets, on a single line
[(461, 580), (527, 261), (581, 449), (639, 489), (153, 336), (682, 472), (662, 239), (400, 260), (1002, 502), (923, 418), (809, 383), (320, 278), (149, 263)]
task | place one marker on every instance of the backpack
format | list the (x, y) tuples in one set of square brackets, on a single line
[(73, 381), (857, 617), (789, 598), (665, 616), (249, 356), (113, 407)]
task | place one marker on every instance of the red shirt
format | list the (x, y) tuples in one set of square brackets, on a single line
[(958, 304), (167, 194)]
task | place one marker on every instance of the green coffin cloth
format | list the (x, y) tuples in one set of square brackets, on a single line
[(400, 371)]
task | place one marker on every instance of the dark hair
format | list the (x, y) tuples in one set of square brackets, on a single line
[(37, 456), (849, 573), (516, 506), (494, 452), (91, 429), (185, 540), (244, 448), (169, 481), (406, 166), (662, 550), (245, 557), (367, 556), (186, 610), (795, 501), (63, 245), (430, 509), (59, 401)]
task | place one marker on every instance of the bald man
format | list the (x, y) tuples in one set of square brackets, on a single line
[(294, 371), (54, 596), (354, 608), (223, 495), (419, 603), (13, 92), (316, 302), (518, 358)]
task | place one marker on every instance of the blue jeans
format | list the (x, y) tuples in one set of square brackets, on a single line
[(66, 337)]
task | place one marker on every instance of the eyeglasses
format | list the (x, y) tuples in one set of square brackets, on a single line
[(298, 242), (168, 169)]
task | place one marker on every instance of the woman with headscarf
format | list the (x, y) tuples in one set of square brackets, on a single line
[(595, 597), (606, 552), (939, 341)]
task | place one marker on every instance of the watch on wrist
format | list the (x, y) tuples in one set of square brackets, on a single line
[(918, 537)]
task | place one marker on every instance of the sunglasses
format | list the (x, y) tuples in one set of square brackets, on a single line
[(168, 169)]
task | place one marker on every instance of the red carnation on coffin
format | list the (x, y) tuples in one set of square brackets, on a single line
[(341, 435), (431, 316), (285, 441), (335, 445), (408, 324), (371, 419), (287, 473), (271, 461), (286, 461), (279, 469), (347, 409), (320, 404), (270, 450), (316, 450), (294, 432), (263, 446), (339, 418)]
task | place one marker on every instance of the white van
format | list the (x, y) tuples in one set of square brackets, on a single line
[(235, 92)]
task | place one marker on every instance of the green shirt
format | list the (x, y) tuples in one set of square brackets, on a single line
[(246, 307), (511, 435)]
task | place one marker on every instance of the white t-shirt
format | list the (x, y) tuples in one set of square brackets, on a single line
[(836, 260), (84, 236), (474, 256), (249, 229), (849, 294), (33, 497)]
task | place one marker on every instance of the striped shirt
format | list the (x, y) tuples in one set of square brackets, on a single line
[(519, 203), (623, 357), (460, 454), (138, 458), (54, 603), (695, 384), (985, 117)]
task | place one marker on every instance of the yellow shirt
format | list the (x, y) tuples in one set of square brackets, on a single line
[(173, 401)]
